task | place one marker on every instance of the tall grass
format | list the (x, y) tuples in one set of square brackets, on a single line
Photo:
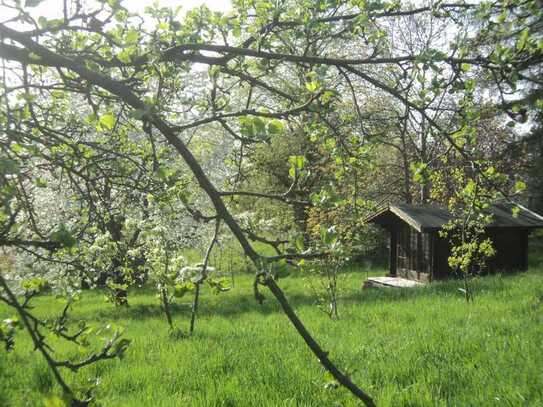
[(406, 347)]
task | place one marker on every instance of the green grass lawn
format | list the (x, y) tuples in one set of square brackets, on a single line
[(414, 347)]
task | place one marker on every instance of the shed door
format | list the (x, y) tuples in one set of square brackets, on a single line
[(413, 251), (407, 247)]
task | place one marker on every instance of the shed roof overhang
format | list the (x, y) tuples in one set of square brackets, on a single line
[(424, 218)]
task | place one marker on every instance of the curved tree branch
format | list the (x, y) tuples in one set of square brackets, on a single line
[(122, 91)]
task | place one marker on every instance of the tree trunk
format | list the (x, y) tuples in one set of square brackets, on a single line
[(194, 308), (166, 307)]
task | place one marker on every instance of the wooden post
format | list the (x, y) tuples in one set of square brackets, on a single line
[(393, 251), (431, 244), (419, 258)]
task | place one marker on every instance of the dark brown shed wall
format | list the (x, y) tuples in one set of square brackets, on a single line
[(511, 247), (441, 252)]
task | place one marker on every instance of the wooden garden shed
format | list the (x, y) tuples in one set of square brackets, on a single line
[(417, 252)]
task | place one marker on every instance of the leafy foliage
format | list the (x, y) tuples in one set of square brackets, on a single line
[(117, 148)]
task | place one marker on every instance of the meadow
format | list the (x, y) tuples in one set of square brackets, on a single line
[(405, 347)]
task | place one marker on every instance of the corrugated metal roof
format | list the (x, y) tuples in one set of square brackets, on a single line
[(426, 217)]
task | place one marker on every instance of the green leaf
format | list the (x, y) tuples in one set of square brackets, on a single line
[(16, 147), (131, 36), (292, 172), (519, 186), (523, 38), (259, 125), (107, 121), (57, 94), (125, 56), (420, 172), (312, 86), (41, 183), (297, 161), (327, 96), (219, 285), (253, 127), (181, 289), (275, 127), (35, 285)]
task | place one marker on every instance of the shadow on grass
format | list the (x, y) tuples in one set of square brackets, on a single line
[(241, 301)]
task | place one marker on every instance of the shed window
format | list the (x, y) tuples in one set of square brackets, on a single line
[(413, 250)]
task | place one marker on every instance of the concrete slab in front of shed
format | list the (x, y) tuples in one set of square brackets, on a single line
[(397, 282)]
